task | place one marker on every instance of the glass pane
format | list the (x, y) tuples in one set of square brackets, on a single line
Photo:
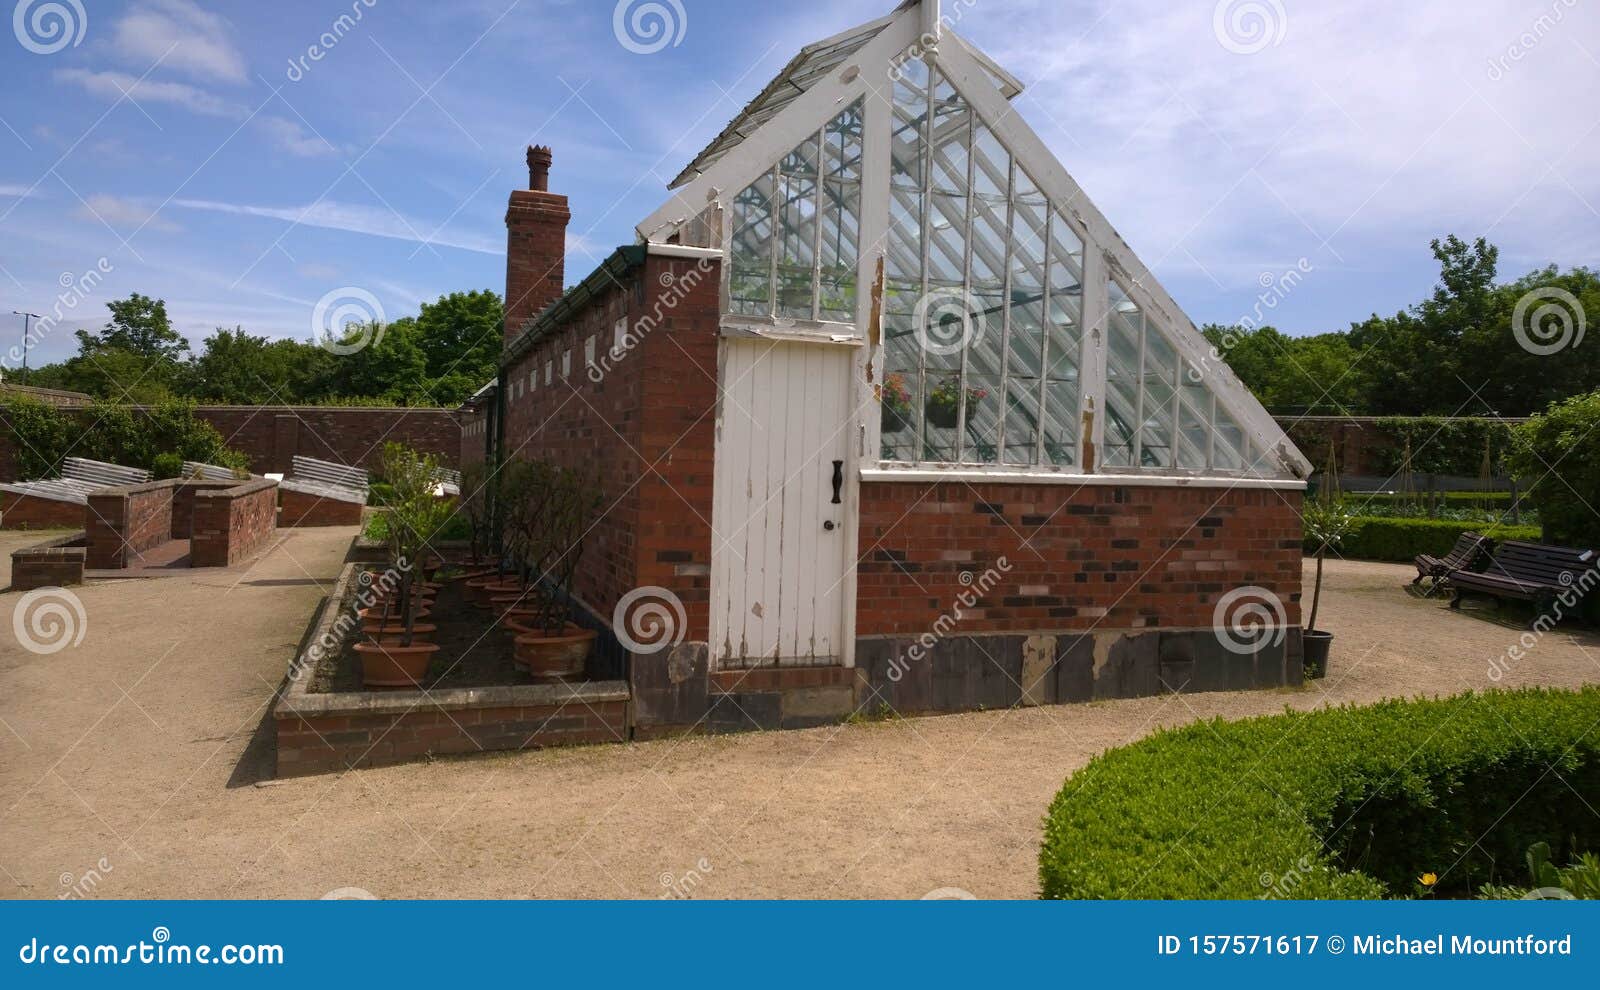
[(985, 330), (991, 165), (1061, 423), (1026, 352), (1027, 246), (1026, 188), (750, 284), (1122, 374), (942, 410), (906, 151), (796, 293), (904, 252), (900, 297), (988, 242), (1228, 443), (946, 323), (802, 160), (1160, 390), (1022, 421), (981, 436), (1192, 433), (797, 231), (841, 229), (951, 138), (947, 239), (911, 85), (841, 145), (901, 412), (901, 351)]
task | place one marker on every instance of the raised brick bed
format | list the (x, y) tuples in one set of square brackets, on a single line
[(55, 563), (32, 512), (228, 525), (299, 509), (225, 521), (321, 732)]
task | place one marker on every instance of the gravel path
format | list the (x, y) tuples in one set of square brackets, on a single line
[(141, 749)]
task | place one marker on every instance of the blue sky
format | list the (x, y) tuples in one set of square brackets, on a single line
[(177, 142)]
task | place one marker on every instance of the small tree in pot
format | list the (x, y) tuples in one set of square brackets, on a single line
[(396, 657), (1327, 523), (565, 502), (476, 505)]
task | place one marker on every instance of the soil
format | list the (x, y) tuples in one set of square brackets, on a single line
[(148, 744)]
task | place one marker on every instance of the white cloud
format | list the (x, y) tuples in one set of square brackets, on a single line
[(119, 212), (289, 136), (355, 218), (182, 36), (16, 192), (114, 85)]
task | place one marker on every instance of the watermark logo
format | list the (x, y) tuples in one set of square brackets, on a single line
[(683, 888), (1275, 289), (1558, 323), (348, 320), (948, 321), (75, 290), (349, 894), (1574, 589), (649, 27), (1244, 615), (326, 42), (1245, 27), (1530, 39), (675, 288), (49, 620), (77, 888), (648, 620), (973, 590), (47, 28)]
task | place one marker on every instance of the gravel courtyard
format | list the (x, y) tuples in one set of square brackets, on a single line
[(141, 755)]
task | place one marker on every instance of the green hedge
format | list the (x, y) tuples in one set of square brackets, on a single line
[(1349, 802), (1493, 500), (1401, 540)]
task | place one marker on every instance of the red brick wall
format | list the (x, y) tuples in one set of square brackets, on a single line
[(647, 426), (270, 436), (229, 525), (1080, 557), (125, 522), (28, 512), (55, 564), (303, 509)]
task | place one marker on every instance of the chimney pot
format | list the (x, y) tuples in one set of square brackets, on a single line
[(539, 160)]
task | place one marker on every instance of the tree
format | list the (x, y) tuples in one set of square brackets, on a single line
[(139, 324)]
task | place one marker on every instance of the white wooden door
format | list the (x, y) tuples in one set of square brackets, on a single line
[(778, 555)]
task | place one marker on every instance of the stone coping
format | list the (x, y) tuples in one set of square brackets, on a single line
[(300, 702), (71, 545), (230, 489)]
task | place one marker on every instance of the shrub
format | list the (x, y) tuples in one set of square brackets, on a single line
[(119, 434), (1557, 457), (1400, 540), (1349, 802)]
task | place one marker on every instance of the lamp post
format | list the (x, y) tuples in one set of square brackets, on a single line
[(26, 318)]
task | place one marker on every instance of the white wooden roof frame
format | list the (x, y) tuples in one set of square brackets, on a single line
[(1106, 254)]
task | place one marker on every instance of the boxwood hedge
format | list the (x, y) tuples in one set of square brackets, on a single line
[(1375, 538), (1348, 802)]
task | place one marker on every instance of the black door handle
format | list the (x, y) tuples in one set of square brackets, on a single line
[(838, 480)]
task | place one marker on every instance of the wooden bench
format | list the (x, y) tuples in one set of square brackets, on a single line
[(326, 479), (1530, 572), (449, 481), (210, 472), (1470, 548), (102, 475)]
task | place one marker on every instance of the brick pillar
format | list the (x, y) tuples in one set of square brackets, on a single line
[(536, 245)]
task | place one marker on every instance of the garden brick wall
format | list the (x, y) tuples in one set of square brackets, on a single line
[(228, 525), (124, 522), (304, 509), (646, 426), (1084, 557), (270, 436)]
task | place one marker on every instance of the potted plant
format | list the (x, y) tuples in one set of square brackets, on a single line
[(395, 655), (1327, 523), (558, 509), (476, 505), (944, 402), (896, 404)]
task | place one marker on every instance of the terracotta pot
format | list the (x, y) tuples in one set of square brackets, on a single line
[(477, 588), (394, 630), (524, 623), (376, 613), (556, 656), (391, 666)]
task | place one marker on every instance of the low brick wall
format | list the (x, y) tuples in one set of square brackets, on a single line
[(299, 509), (124, 522), (321, 732), (55, 563), (31, 512), (231, 524)]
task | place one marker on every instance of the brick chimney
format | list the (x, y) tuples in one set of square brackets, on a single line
[(536, 245)]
